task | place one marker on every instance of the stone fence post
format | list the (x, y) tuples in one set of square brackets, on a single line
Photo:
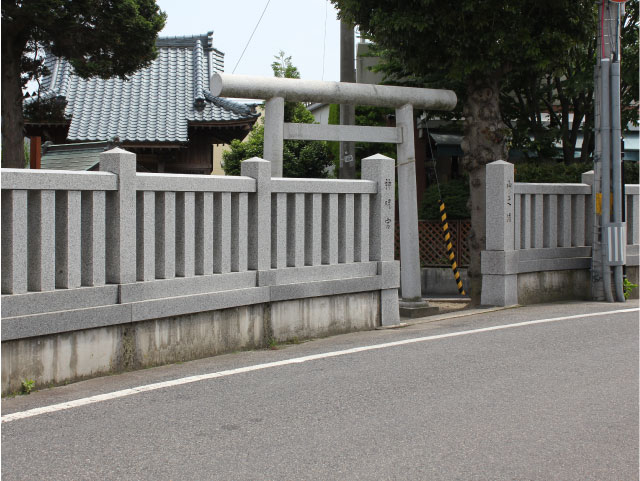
[(259, 222), (499, 260), (120, 217), (381, 170), (587, 177)]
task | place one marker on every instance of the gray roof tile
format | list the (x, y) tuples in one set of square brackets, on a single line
[(73, 157), (155, 104)]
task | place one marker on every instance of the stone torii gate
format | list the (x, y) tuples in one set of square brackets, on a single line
[(275, 91)]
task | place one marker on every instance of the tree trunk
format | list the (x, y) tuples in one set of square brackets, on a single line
[(587, 146), (484, 142), (12, 119), (587, 129)]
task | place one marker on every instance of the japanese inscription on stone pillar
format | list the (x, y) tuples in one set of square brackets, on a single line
[(509, 200), (388, 203)]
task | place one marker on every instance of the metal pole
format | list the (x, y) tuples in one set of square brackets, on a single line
[(616, 168), (597, 286), (605, 128), (347, 111)]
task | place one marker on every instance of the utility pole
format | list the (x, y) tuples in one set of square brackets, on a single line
[(609, 233), (347, 111)]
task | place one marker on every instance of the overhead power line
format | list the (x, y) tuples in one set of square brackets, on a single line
[(324, 40), (249, 41)]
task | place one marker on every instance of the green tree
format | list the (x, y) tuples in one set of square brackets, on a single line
[(474, 44), (366, 115), (283, 68), (630, 64), (564, 90), (99, 38), (300, 158)]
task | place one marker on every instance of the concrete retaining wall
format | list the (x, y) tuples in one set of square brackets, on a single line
[(72, 356), (551, 286), (440, 281)]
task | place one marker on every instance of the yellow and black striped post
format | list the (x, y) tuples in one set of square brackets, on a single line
[(450, 254)]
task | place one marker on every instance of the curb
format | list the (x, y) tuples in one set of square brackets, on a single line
[(446, 316)]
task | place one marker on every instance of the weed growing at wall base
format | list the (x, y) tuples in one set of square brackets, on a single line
[(27, 386), (628, 287), (272, 344)]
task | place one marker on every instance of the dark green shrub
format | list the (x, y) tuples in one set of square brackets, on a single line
[(559, 172), (455, 195), (631, 172), (551, 172), (367, 116)]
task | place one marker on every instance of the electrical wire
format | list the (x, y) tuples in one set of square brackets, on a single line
[(249, 41), (324, 40), (433, 158)]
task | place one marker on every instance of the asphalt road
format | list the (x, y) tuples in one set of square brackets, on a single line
[(545, 401)]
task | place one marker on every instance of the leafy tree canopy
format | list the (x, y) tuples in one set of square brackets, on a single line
[(562, 86), (470, 39), (300, 158), (46, 110), (565, 92), (474, 45), (366, 115), (630, 84), (99, 38)]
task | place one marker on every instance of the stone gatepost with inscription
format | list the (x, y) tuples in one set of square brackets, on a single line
[(499, 260), (381, 169)]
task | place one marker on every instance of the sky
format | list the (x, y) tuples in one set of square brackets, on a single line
[(293, 26)]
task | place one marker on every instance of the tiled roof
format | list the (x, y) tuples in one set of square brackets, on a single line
[(155, 104), (72, 156)]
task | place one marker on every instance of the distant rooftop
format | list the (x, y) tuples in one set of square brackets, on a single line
[(156, 104), (83, 156)]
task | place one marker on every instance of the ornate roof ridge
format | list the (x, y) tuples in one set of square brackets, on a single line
[(184, 41), (236, 107), (198, 82)]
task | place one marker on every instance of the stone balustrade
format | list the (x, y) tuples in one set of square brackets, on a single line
[(535, 228), (93, 249)]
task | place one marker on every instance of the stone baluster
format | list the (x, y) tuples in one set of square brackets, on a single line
[(14, 242), (313, 230), (41, 240), (146, 233), (93, 238)]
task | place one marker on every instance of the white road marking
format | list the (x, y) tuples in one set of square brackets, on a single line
[(297, 360)]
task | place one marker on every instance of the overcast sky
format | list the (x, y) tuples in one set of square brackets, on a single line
[(294, 26)]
